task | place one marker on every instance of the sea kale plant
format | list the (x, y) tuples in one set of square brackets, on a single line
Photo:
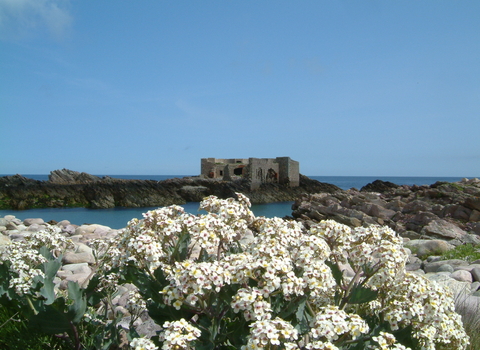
[(230, 280), (36, 314)]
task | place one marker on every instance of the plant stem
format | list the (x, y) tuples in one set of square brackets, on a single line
[(4, 323), (35, 312)]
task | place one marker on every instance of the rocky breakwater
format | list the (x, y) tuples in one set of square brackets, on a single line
[(67, 188), (431, 219)]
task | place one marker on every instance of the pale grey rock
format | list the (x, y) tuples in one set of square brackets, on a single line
[(443, 229), (16, 236), (36, 227), (83, 248), (412, 267), (38, 221), (467, 306), (456, 287), (3, 228), (426, 247), (62, 274), (75, 258), (434, 258), (148, 329), (4, 240), (474, 286), (476, 274), (81, 278), (462, 276), (445, 268), (77, 268), (3, 221), (21, 227), (11, 226), (69, 229), (433, 266), (468, 268), (99, 230), (63, 223)]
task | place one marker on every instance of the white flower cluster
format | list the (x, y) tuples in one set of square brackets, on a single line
[(387, 341), (51, 238), (23, 264), (272, 332), (142, 344), (331, 323), (25, 258), (179, 335), (282, 259), (428, 307)]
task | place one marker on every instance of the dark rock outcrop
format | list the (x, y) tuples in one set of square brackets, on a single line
[(67, 188), (447, 211)]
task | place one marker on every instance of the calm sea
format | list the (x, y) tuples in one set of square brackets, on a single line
[(118, 217)]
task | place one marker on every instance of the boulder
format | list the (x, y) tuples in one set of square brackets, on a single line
[(443, 229), (445, 268), (77, 268), (379, 186), (77, 258), (457, 288), (36, 228), (424, 247), (4, 240), (416, 206), (473, 203), (38, 221), (462, 276), (476, 274), (435, 265), (66, 176)]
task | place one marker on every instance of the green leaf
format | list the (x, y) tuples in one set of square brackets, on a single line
[(79, 306), (360, 295), (48, 290), (336, 272), (51, 267), (93, 296), (148, 287), (46, 253), (5, 279), (404, 336), (51, 319), (181, 250), (302, 317)]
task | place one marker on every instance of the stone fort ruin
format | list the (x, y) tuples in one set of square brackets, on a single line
[(281, 170)]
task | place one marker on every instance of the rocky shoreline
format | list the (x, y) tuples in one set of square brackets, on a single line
[(67, 188), (447, 211)]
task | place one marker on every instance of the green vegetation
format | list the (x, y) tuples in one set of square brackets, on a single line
[(467, 252)]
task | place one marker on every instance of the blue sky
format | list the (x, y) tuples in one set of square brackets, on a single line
[(374, 88)]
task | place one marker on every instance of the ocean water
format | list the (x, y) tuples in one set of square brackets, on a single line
[(118, 217)]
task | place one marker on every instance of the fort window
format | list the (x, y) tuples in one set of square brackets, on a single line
[(238, 171), (221, 172)]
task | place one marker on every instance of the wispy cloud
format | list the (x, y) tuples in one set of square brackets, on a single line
[(21, 18)]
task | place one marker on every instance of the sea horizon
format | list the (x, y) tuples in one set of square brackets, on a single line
[(343, 181)]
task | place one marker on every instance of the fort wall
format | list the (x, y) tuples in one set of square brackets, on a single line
[(282, 170)]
